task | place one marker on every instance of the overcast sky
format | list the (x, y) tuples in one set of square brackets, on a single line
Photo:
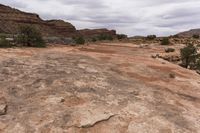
[(132, 17)]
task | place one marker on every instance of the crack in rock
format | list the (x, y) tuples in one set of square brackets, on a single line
[(3, 109), (96, 122)]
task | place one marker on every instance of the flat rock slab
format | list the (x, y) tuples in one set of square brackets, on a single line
[(106, 88)]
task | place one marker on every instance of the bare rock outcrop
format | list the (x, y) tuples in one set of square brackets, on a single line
[(106, 88), (189, 33)]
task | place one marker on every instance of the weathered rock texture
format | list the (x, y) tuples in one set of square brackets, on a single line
[(107, 88)]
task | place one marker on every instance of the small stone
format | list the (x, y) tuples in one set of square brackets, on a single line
[(62, 100), (168, 50), (3, 109), (172, 75), (155, 56), (55, 100)]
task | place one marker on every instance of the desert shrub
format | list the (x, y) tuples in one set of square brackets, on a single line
[(151, 37), (188, 55), (196, 36), (29, 36), (121, 36), (198, 64), (105, 37), (165, 41), (94, 39), (109, 37), (101, 37), (4, 43), (168, 50), (79, 40)]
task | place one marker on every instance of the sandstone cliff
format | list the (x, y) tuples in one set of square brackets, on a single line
[(11, 19), (96, 32)]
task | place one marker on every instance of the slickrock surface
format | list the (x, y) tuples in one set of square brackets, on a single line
[(107, 88)]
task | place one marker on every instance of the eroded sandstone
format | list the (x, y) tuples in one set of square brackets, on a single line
[(107, 88)]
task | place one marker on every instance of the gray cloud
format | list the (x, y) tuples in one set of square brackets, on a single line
[(85, 3), (133, 17)]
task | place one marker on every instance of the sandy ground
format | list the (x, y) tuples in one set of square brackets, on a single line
[(107, 88)]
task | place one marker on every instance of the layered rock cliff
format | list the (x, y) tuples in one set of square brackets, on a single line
[(11, 19), (97, 32)]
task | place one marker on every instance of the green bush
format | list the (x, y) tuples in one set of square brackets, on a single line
[(121, 36), (4, 43), (94, 39), (151, 37), (110, 38), (196, 36), (165, 41), (30, 37), (79, 40), (102, 37), (189, 55), (105, 37), (198, 64)]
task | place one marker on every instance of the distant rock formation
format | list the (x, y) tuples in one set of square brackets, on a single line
[(11, 19), (189, 33), (97, 32), (62, 28)]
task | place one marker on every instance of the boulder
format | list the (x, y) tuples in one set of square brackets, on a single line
[(171, 58)]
